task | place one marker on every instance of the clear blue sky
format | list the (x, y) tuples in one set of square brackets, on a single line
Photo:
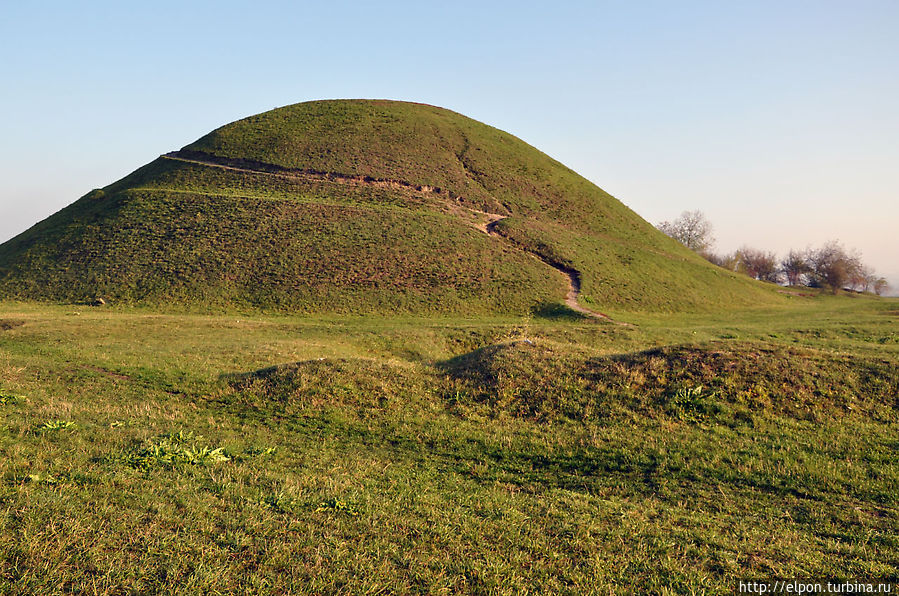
[(779, 120)]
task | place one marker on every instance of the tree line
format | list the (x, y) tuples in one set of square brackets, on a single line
[(830, 266)]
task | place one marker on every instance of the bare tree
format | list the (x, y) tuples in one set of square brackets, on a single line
[(692, 229), (833, 267), (862, 277), (795, 266), (830, 266), (725, 261), (757, 264)]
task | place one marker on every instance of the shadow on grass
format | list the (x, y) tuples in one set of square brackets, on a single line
[(552, 311)]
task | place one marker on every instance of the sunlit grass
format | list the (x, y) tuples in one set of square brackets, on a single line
[(190, 453)]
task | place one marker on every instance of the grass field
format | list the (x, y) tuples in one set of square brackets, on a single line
[(145, 451)]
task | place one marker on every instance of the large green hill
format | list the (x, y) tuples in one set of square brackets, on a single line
[(362, 206)]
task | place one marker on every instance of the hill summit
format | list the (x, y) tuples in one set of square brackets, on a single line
[(361, 206)]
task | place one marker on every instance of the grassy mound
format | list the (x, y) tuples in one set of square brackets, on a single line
[(355, 383), (724, 382), (360, 206)]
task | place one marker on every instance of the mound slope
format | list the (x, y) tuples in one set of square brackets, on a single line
[(362, 206), (537, 380)]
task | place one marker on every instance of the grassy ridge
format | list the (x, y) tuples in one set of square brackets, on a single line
[(725, 381)]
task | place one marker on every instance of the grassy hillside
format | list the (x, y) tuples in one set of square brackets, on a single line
[(361, 206), (219, 250), (186, 454)]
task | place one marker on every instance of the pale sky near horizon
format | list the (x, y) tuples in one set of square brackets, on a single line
[(778, 119)]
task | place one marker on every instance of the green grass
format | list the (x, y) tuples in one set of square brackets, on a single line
[(242, 452), (306, 382), (285, 255), (313, 239)]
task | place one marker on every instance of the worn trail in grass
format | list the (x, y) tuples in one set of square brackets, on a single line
[(573, 276)]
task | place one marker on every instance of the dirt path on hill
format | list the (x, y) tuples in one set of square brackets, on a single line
[(572, 274), (487, 225), (257, 167)]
